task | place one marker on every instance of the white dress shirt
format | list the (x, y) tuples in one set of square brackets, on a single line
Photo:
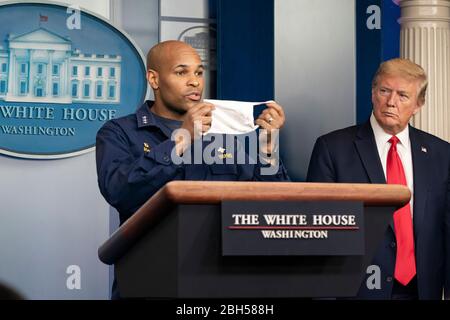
[(403, 149)]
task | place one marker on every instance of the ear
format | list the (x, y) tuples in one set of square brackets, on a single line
[(373, 95), (419, 104), (153, 78), (417, 108)]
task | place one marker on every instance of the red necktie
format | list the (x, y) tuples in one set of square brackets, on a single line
[(405, 265)]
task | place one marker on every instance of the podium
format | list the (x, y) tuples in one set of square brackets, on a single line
[(171, 246)]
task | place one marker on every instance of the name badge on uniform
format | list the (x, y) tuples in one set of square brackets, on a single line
[(223, 154)]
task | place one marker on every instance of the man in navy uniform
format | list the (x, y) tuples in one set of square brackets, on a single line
[(134, 152)]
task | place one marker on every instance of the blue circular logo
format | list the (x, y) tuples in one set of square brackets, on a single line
[(63, 73)]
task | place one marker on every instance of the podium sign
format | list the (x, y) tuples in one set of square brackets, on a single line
[(185, 243), (295, 228)]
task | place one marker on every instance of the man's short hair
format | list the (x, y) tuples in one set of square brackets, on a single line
[(404, 68)]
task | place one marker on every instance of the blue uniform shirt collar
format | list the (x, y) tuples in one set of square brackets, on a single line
[(145, 117)]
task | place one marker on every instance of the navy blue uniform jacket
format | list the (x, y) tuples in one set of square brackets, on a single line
[(129, 172), (350, 155)]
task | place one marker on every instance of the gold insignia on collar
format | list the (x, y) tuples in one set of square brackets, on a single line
[(224, 155), (146, 147)]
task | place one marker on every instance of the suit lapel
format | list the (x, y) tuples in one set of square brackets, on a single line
[(420, 160), (368, 152)]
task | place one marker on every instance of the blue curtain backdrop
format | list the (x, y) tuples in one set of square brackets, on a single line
[(245, 49), (372, 47)]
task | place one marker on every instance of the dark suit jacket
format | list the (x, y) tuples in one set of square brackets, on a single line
[(350, 155)]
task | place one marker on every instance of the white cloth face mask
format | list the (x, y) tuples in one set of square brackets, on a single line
[(232, 117)]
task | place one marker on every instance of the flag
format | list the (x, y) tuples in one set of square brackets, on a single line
[(43, 18)]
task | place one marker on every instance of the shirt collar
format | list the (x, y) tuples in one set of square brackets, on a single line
[(144, 116), (381, 137)]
